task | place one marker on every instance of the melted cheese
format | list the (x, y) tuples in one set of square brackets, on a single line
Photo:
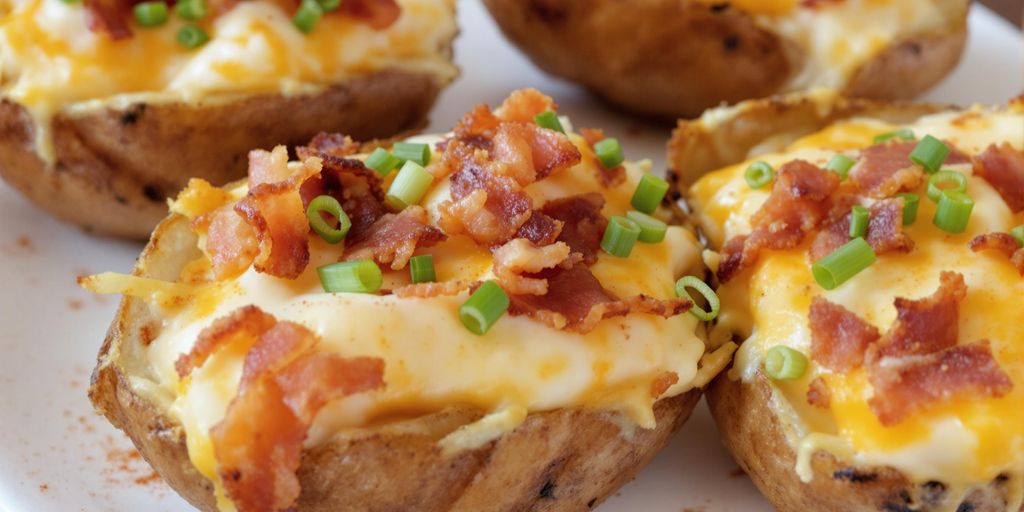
[(964, 443), (50, 60)]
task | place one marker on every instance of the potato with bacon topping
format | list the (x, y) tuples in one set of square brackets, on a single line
[(871, 258), (494, 319)]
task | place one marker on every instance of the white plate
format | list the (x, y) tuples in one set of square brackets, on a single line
[(55, 454)]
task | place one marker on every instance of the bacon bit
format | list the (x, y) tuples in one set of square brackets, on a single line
[(328, 144), (490, 208), (1003, 168), (519, 257), (582, 223), (818, 394), (430, 290), (476, 129), (1001, 242), (540, 229), (357, 188), (908, 384), (885, 169), (524, 104), (110, 16), (661, 384), (885, 229), (230, 242), (592, 135), (527, 152), (245, 323), (734, 258), (839, 338), (395, 237), (378, 14), (927, 325)]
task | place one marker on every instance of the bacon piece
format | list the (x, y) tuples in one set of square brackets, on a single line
[(395, 237), (490, 208), (328, 144), (540, 229), (839, 338), (734, 258), (523, 105), (110, 16), (230, 242), (519, 257), (592, 135), (582, 223), (356, 187), (429, 290), (378, 14), (912, 383), (477, 128), (885, 231), (661, 384), (246, 323), (818, 394), (527, 152), (1001, 242), (1003, 167), (885, 169), (926, 325)]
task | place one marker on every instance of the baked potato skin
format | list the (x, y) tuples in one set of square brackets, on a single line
[(116, 167), (563, 460)]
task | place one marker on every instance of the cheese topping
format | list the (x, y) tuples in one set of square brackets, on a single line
[(51, 61), (963, 443)]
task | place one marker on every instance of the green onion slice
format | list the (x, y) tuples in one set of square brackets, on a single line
[(360, 276), (847, 261), (759, 174), (859, 219), (930, 153), (483, 308), (901, 134), (713, 303), (382, 161), (421, 269), (329, 205), (841, 165), (1018, 233), (150, 14), (192, 10), (784, 363), (409, 186), (412, 152), (954, 211), (649, 193), (329, 5), (937, 180), (191, 37), (307, 16), (910, 204), (609, 152), (652, 230), (549, 120), (620, 236)]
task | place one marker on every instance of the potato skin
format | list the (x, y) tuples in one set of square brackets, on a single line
[(674, 58), (562, 460), (116, 167)]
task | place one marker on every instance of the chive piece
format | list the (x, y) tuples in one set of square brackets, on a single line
[(409, 186), (652, 230), (901, 134), (483, 308), (329, 205), (784, 363), (329, 5), (192, 10), (649, 193), (421, 269), (713, 303), (412, 152), (954, 211), (359, 276), (549, 120), (192, 37), (307, 16), (759, 174), (609, 152), (847, 261), (910, 204), (1018, 233), (859, 218), (930, 153), (150, 14), (935, 182), (382, 161), (841, 165), (620, 236)]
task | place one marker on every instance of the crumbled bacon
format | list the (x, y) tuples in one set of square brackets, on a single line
[(540, 229), (477, 128), (661, 384), (110, 16), (592, 135), (429, 290), (528, 153), (1001, 242), (884, 234), (246, 323), (885, 169), (328, 144), (394, 238), (490, 208), (839, 338), (378, 14), (230, 242), (926, 325), (519, 257), (818, 394), (1003, 167), (356, 187), (583, 225), (524, 104)]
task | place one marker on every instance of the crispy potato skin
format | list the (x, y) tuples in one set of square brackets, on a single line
[(116, 167), (674, 58), (563, 460)]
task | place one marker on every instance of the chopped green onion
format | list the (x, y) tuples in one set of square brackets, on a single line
[(959, 182), (360, 276), (784, 363), (841, 165), (1018, 233), (412, 152), (382, 161), (901, 134), (483, 308), (609, 152), (759, 174), (191, 37), (307, 16), (652, 230), (327, 204), (620, 236), (409, 186), (910, 204), (713, 303), (549, 120), (847, 261), (150, 14), (954, 211), (329, 5), (421, 269), (930, 153), (192, 10), (649, 193), (859, 219)]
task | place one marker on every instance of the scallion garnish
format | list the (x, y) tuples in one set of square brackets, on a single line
[(360, 276), (421, 269), (910, 204), (620, 236), (329, 5), (191, 37), (483, 308), (759, 174), (847, 261), (307, 16), (382, 161), (930, 153), (784, 363), (409, 186), (954, 211), (1018, 233), (937, 180), (901, 134), (859, 218), (412, 152), (652, 230), (329, 205), (649, 193), (192, 10), (713, 303), (150, 14), (841, 165), (609, 152), (549, 120)]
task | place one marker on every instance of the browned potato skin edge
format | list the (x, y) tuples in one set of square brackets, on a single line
[(563, 460), (116, 167)]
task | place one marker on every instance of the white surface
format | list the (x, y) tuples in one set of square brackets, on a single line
[(56, 455)]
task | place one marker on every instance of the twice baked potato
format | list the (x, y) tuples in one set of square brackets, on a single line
[(101, 125), (871, 258), (498, 357), (675, 58)]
